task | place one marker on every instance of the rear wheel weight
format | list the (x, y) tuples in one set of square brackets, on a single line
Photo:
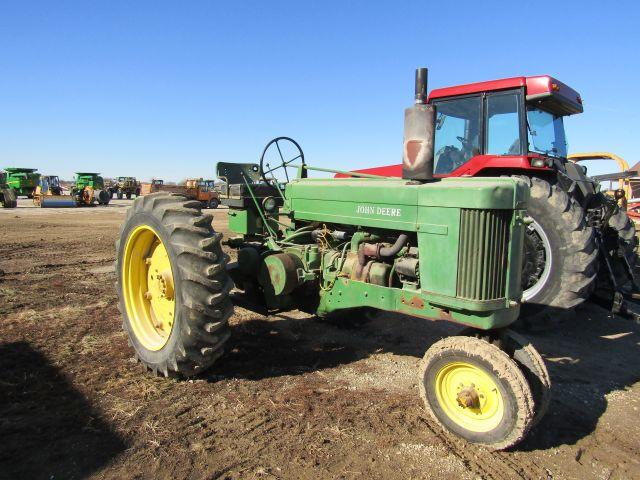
[(474, 390), (173, 295)]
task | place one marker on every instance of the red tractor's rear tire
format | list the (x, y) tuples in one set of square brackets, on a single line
[(560, 252), (619, 239)]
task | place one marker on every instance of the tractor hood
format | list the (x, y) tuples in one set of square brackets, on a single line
[(395, 203)]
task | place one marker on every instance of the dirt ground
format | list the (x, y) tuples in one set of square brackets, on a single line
[(293, 398)]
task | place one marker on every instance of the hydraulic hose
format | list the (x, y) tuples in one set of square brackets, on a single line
[(395, 248), (376, 250)]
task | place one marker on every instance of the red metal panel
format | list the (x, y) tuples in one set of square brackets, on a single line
[(472, 168), (538, 85), (478, 87), (386, 171)]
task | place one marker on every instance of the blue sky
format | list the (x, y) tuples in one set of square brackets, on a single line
[(167, 89)]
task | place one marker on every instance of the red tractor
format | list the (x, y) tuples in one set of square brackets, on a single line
[(514, 127)]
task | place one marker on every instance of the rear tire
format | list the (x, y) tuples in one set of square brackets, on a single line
[(623, 242), (198, 282), (9, 199), (213, 203), (560, 252)]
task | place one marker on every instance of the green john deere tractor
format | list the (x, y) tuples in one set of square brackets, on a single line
[(446, 249), (23, 181), (89, 188), (7, 194)]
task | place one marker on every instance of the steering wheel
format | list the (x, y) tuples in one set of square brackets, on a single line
[(268, 173), (464, 141)]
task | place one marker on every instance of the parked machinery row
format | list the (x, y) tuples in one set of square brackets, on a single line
[(87, 190), (90, 188)]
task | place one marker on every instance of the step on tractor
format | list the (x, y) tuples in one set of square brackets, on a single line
[(579, 237), (125, 187), (23, 181), (7, 195), (49, 194), (88, 189), (437, 249)]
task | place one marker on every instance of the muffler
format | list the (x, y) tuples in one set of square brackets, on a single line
[(419, 128)]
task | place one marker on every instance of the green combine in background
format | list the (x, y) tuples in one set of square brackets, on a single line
[(89, 187), (23, 181)]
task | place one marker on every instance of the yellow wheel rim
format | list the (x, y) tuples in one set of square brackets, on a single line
[(148, 288), (469, 396)]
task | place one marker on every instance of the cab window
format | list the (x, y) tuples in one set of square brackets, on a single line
[(503, 124), (457, 136)]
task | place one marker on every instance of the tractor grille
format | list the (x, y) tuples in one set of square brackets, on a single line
[(483, 253)]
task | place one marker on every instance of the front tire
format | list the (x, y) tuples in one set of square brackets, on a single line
[(560, 256), (172, 285), (474, 390)]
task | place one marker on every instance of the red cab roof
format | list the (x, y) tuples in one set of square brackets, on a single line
[(543, 88)]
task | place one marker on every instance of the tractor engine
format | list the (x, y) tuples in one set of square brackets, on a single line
[(449, 249)]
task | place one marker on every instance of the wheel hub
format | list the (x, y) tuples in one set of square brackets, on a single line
[(468, 397), (148, 288), (536, 261)]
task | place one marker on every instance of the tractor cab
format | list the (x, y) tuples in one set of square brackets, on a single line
[(501, 124), (206, 185), (495, 127), (50, 183)]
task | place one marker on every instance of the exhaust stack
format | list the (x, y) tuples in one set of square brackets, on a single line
[(421, 85), (419, 129)]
